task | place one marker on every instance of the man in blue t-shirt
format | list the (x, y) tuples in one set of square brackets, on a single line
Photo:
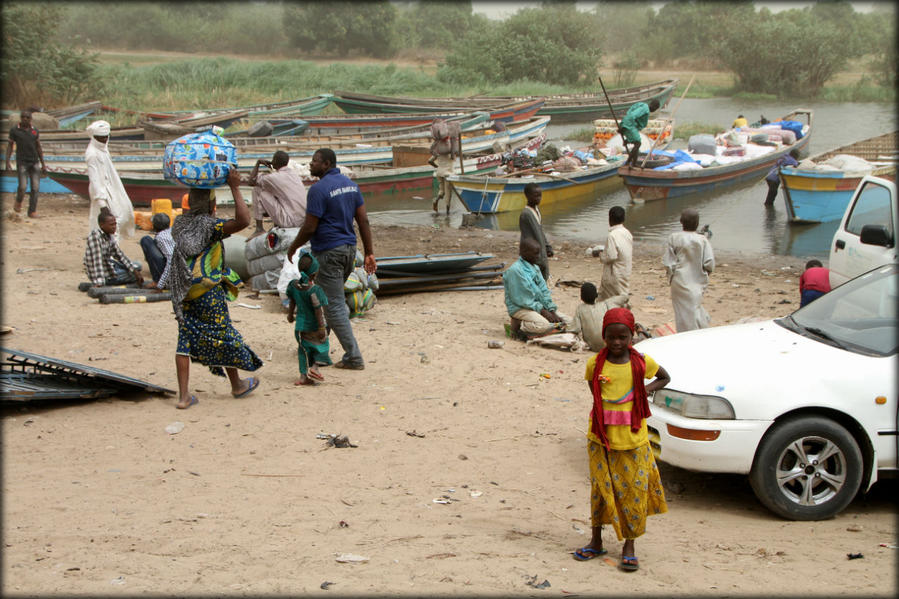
[(332, 204)]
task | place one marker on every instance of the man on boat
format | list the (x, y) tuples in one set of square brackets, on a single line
[(28, 149), (106, 189), (636, 119), (530, 223), (334, 202), (527, 297), (280, 194)]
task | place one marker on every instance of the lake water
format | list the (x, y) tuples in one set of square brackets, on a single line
[(738, 219)]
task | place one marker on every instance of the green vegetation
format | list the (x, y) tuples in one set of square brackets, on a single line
[(37, 68), (687, 130), (793, 54)]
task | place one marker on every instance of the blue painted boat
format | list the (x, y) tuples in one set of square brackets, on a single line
[(485, 194), (48, 185), (656, 184), (819, 196)]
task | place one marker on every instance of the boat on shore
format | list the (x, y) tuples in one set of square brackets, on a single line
[(563, 108), (369, 148), (507, 110), (819, 189), (687, 175), (145, 185), (168, 128)]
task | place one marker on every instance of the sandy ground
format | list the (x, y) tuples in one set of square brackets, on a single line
[(99, 500)]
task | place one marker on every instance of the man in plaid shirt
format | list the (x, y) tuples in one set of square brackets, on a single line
[(104, 260)]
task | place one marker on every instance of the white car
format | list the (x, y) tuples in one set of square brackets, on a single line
[(806, 405), (866, 236)]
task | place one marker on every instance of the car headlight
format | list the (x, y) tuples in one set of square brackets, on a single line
[(707, 407)]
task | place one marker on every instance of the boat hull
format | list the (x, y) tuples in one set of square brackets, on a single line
[(813, 197), (649, 184), (489, 195)]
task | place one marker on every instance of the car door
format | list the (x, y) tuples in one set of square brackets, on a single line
[(874, 203)]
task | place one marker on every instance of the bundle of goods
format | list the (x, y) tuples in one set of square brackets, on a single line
[(702, 143), (266, 255), (199, 159), (446, 136), (606, 129)]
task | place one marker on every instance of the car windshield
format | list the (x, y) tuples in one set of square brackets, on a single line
[(859, 315)]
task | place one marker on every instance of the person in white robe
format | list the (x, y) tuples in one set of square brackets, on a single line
[(616, 257), (688, 261), (106, 189)]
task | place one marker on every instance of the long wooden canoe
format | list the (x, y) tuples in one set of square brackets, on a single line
[(655, 184)]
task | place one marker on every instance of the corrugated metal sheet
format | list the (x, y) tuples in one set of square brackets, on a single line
[(25, 376)]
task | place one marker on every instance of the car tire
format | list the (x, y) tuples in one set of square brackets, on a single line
[(790, 480)]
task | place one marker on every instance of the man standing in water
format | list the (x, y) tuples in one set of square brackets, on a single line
[(333, 203), (24, 138)]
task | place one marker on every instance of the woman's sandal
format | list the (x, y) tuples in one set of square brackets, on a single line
[(629, 563), (587, 553)]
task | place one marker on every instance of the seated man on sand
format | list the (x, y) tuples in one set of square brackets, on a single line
[(528, 300), (104, 261)]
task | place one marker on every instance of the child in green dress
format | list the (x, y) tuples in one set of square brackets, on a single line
[(306, 302)]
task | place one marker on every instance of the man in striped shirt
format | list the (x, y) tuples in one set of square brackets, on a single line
[(104, 260)]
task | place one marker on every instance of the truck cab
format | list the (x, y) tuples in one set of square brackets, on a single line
[(866, 237)]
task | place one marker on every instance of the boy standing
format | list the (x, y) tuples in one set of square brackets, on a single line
[(306, 301), (104, 260), (28, 149), (689, 260), (530, 223), (616, 257)]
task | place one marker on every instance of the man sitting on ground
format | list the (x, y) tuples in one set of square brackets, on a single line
[(104, 260), (158, 250), (528, 300)]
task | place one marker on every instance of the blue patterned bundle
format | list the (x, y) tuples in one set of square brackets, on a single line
[(199, 160)]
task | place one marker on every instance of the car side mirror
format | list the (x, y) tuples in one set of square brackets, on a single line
[(876, 235)]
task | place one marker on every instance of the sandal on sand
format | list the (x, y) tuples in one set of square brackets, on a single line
[(587, 553), (308, 382), (193, 401), (629, 563), (315, 375), (253, 383)]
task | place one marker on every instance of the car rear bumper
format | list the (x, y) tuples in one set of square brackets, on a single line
[(729, 445)]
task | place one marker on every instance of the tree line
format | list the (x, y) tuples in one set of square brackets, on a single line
[(48, 46)]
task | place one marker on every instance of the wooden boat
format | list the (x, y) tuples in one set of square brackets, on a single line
[(70, 114), (500, 109), (169, 128), (819, 196), (370, 148), (485, 194), (429, 264), (562, 107), (143, 186), (655, 184), (576, 108)]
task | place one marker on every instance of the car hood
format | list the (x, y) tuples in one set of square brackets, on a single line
[(764, 369)]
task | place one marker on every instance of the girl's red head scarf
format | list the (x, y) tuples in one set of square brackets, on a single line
[(640, 407)]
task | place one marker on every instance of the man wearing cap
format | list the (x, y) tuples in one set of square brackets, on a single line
[(24, 138), (106, 189)]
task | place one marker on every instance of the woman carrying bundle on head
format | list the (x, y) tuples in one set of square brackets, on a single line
[(200, 284)]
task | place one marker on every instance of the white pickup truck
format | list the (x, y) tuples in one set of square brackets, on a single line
[(866, 237)]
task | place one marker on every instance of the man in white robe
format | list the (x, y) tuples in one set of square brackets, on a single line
[(616, 257), (106, 189), (688, 260)]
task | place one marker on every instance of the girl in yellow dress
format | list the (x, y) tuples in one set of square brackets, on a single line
[(625, 486)]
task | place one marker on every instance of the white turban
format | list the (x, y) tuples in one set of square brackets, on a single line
[(100, 128)]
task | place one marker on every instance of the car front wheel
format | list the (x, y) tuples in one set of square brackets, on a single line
[(807, 468)]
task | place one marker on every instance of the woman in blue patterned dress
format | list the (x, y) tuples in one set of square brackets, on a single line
[(200, 284)]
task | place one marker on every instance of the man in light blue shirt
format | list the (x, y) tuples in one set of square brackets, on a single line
[(528, 300)]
